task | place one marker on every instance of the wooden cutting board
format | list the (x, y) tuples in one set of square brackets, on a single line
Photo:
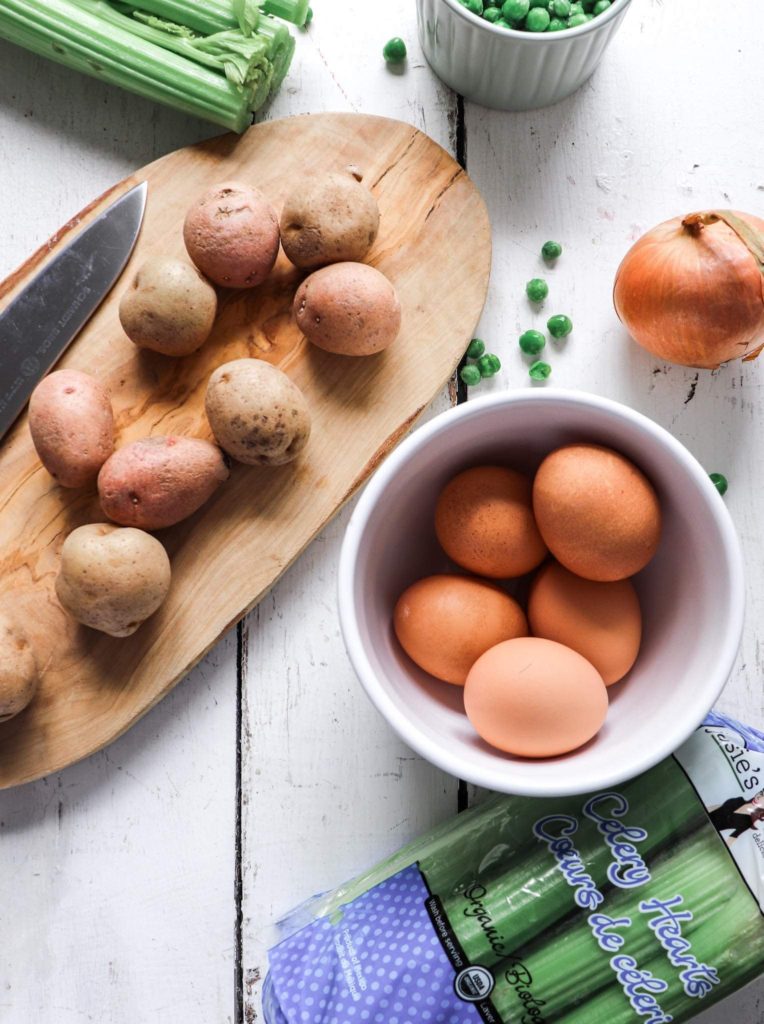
[(434, 244)]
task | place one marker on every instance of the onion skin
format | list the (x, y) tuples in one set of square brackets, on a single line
[(691, 292)]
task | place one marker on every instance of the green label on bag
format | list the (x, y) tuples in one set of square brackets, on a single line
[(617, 907)]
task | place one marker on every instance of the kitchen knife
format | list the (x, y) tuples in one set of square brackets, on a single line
[(41, 322)]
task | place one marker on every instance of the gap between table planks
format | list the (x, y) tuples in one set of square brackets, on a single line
[(434, 245)]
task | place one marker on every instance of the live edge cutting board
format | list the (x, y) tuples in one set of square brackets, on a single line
[(434, 244)]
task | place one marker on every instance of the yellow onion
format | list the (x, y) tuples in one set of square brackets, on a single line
[(691, 291)]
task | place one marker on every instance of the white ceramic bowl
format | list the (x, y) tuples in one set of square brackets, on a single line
[(692, 593), (499, 67)]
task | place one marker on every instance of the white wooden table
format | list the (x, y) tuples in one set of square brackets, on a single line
[(136, 886)]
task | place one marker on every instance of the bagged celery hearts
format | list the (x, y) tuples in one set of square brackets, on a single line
[(639, 904)]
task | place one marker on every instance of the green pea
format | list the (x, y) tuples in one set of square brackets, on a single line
[(309, 16), (503, 23), (559, 326), (576, 7), (532, 342), (537, 20), (488, 365), (514, 10), (492, 14), (551, 251), (556, 25), (475, 348), (600, 7), (539, 370), (394, 50), (577, 19), (560, 8), (537, 289), (720, 482), (470, 375), (475, 6)]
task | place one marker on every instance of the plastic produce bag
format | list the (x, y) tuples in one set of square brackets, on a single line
[(638, 904)]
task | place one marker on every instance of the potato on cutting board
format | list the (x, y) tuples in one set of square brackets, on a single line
[(159, 481), (112, 578), (72, 426)]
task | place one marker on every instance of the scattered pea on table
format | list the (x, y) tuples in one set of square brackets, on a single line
[(470, 375), (551, 251), (488, 365), (475, 349), (720, 482), (539, 370), (559, 326), (537, 289), (532, 342), (394, 50)]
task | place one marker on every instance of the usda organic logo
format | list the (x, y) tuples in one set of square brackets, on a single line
[(473, 984)]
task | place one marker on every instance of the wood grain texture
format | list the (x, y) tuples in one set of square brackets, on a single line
[(434, 245)]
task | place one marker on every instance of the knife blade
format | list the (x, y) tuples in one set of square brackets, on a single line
[(42, 321)]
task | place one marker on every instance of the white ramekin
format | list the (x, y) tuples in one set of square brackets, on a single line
[(692, 593), (509, 70)]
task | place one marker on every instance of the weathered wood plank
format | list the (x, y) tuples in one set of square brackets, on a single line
[(326, 787)]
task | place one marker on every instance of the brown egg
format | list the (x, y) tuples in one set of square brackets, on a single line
[(598, 514), (535, 698), (444, 623), (602, 621), (484, 522)]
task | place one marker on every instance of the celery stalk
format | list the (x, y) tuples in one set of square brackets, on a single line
[(206, 16), (220, 60), (64, 32), (295, 11), (688, 867), (730, 939), (218, 15), (282, 47), (243, 61), (525, 896)]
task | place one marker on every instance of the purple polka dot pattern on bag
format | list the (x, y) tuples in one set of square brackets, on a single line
[(382, 963)]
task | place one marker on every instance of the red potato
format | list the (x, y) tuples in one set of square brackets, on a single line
[(158, 481), (350, 309), (72, 426), (232, 235)]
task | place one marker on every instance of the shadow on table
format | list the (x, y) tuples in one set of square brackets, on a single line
[(88, 115), (180, 737)]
